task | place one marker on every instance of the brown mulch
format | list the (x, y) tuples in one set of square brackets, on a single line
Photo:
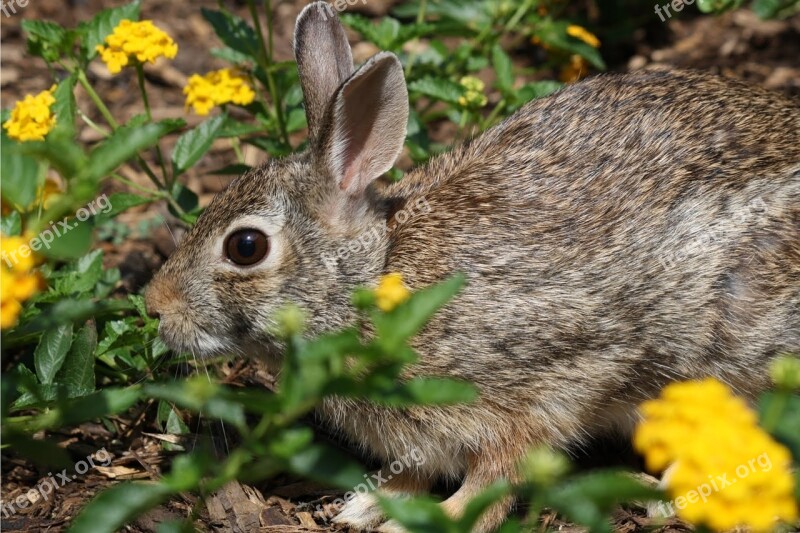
[(736, 44)]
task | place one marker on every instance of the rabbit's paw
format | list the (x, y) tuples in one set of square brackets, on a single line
[(362, 512)]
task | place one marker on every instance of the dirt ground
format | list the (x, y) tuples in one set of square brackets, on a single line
[(736, 44)]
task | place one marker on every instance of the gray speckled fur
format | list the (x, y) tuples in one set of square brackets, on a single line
[(624, 232)]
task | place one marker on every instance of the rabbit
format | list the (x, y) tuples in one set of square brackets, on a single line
[(625, 232)]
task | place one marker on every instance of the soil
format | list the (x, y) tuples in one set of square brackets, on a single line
[(736, 44)]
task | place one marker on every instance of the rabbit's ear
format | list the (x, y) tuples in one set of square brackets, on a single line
[(366, 124), (324, 59)]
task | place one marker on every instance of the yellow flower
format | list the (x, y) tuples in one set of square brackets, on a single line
[(577, 68), (579, 32), (31, 118), (727, 471), (217, 87), (142, 41), (473, 96), (391, 292), (17, 280)]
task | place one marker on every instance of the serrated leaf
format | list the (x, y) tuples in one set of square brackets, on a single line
[(11, 225), (46, 39), (193, 144), (123, 145), (234, 32), (64, 107), (95, 31), (51, 351), (77, 374), (438, 89), (118, 203)]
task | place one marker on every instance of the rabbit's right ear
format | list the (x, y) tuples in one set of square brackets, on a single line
[(324, 59)]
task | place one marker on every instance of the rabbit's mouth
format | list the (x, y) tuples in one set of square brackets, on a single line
[(195, 341)]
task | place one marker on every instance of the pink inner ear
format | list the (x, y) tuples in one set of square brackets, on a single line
[(370, 116)]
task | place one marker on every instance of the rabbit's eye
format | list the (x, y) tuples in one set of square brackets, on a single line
[(247, 246)]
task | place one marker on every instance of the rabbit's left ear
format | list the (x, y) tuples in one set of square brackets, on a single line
[(366, 124), (324, 59)]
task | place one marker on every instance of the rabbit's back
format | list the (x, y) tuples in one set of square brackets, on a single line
[(624, 232)]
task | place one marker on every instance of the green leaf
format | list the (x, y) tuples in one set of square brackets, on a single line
[(418, 514), (438, 89), (47, 40), (119, 202), (326, 465), (64, 107), (185, 197), (77, 374), (502, 67), (193, 144), (11, 225), (234, 32), (123, 145), (51, 351), (588, 499), (439, 391), (105, 402), (94, 32), (60, 150), (19, 173), (406, 320), (65, 244), (113, 508), (480, 503)]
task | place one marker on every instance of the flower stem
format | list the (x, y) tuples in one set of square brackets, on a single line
[(143, 90), (412, 56), (96, 99), (265, 61)]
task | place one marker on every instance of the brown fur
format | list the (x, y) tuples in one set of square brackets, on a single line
[(623, 233)]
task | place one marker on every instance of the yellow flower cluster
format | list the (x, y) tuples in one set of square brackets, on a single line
[(31, 119), (18, 282), (217, 87), (579, 32), (143, 41), (473, 93), (391, 292), (727, 471)]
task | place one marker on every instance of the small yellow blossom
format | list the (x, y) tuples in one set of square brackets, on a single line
[(142, 41), (217, 87), (32, 119), (726, 470), (473, 96), (579, 32), (391, 292), (577, 69), (18, 282)]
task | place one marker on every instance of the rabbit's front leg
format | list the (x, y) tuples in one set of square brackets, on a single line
[(363, 512)]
